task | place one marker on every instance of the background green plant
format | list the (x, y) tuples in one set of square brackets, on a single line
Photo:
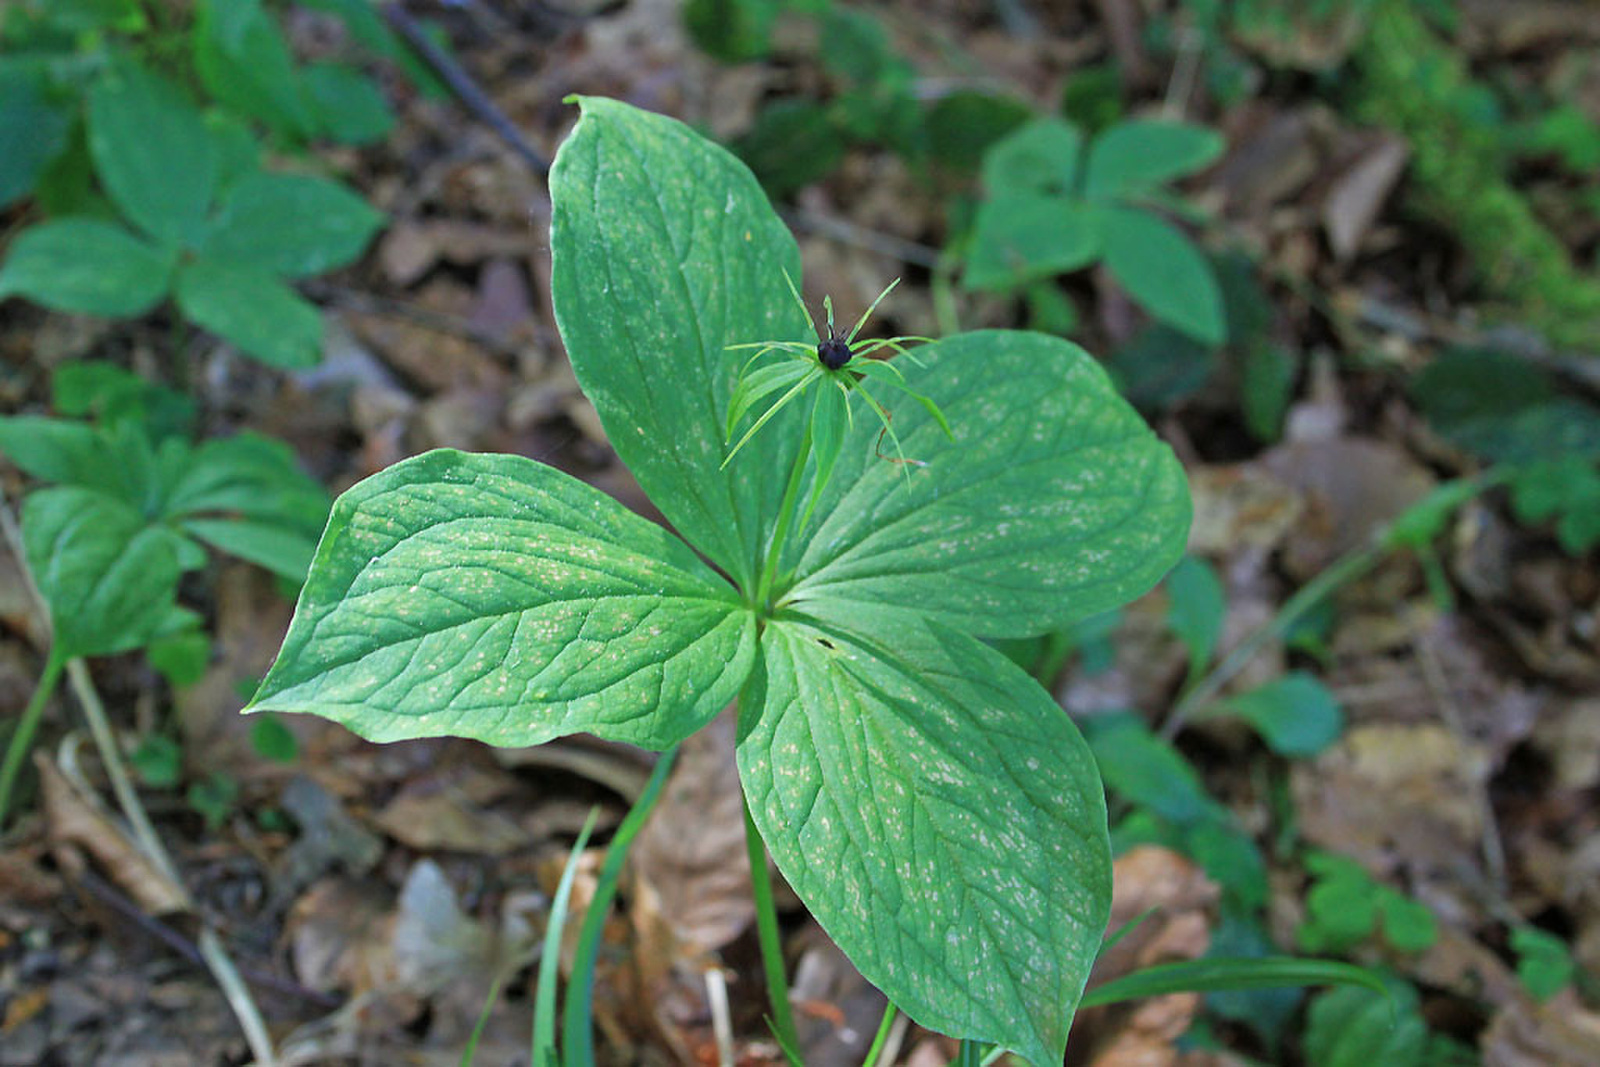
[(140, 132), (127, 505), (1054, 204)]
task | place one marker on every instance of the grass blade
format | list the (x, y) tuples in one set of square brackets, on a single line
[(1217, 975), (543, 1053), (577, 1040)]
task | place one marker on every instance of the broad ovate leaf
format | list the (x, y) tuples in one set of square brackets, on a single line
[(108, 576), (938, 814), (88, 266), (151, 151), (1134, 157), (1024, 236), (1053, 502), (664, 251), (493, 597), (1040, 158), (252, 309), (1164, 271), (292, 225)]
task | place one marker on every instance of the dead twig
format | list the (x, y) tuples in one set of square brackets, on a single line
[(460, 82)]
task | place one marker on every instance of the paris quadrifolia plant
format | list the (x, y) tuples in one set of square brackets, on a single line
[(931, 804)]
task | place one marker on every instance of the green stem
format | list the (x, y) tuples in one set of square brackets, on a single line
[(882, 1037), (944, 295), (22, 740), (1347, 568), (768, 935), (780, 533)]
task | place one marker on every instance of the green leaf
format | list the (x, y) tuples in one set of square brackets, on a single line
[(1164, 272), (665, 251), (1565, 489), (253, 475), (1040, 157), (289, 224), (110, 394), (1142, 768), (792, 144), (1295, 715), (1023, 236), (939, 816), (1053, 502), (236, 147), (182, 658), (963, 125), (272, 740), (82, 16), (1266, 385), (245, 64), (56, 450), (829, 419), (152, 152), (158, 761), (1134, 157), (265, 544), (33, 131), (1544, 963), (1355, 1027), (1501, 406), (1215, 975), (1408, 925), (87, 266), (108, 577), (254, 310), (494, 598), (1159, 367), (732, 30), (348, 107), (1196, 609)]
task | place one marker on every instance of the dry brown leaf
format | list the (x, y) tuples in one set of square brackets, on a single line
[(1143, 1033), (73, 819), (1388, 791), (1351, 487), (1242, 505), (1559, 1033), (409, 248), (444, 811), (339, 936), (692, 851), (1357, 195)]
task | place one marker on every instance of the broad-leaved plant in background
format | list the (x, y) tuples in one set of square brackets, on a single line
[(931, 804), (1053, 205), (153, 193)]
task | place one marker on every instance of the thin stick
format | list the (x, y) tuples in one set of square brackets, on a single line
[(849, 233), (461, 83), (721, 1016), (109, 895), (1345, 569)]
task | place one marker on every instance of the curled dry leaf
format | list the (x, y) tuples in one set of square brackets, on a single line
[(76, 820), (1358, 194), (692, 851)]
